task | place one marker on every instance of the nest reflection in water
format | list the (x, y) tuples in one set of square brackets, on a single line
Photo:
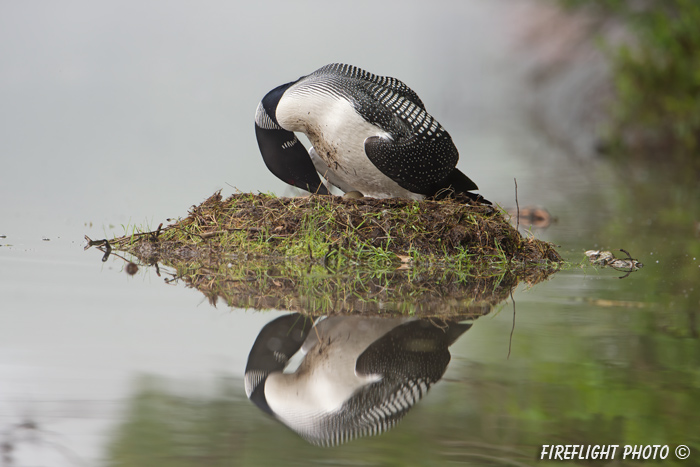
[(325, 254)]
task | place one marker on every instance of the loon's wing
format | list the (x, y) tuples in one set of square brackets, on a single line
[(365, 78), (419, 154), (417, 164)]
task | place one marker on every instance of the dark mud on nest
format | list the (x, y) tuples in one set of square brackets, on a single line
[(264, 225)]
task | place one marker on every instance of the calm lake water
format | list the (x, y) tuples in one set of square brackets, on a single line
[(128, 114)]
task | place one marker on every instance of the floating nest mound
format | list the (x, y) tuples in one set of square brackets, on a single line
[(331, 255), (318, 227)]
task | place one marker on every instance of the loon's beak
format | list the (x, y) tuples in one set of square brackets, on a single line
[(288, 159)]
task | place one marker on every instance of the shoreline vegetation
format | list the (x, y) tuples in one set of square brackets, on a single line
[(335, 255), (654, 113)]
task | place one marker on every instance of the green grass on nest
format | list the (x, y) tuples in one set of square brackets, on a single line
[(324, 228)]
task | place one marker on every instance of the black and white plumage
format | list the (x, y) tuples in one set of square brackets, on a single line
[(359, 376), (369, 133)]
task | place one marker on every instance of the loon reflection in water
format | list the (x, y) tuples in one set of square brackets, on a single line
[(359, 376)]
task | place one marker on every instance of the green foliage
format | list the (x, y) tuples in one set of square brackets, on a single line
[(658, 77)]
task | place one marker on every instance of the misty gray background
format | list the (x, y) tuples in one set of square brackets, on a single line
[(130, 112)]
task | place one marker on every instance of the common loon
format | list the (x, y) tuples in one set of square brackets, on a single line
[(369, 133), (358, 376)]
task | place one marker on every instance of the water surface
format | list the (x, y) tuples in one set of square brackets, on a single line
[(123, 115)]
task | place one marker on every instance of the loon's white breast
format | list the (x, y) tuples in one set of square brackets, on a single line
[(337, 133), (327, 376)]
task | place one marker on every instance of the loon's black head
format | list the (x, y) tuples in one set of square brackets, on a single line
[(282, 152), (271, 99)]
